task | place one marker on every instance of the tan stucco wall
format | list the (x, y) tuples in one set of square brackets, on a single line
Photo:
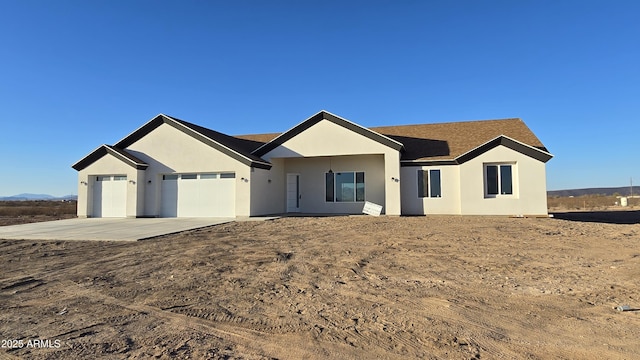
[(110, 165), (312, 181), (449, 203), (393, 199), (168, 150), (267, 192), (327, 139), (529, 182)]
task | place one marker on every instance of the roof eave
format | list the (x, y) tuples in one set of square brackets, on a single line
[(100, 152), (116, 152), (440, 162), (511, 143)]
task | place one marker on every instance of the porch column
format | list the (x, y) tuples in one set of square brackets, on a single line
[(392, 183)]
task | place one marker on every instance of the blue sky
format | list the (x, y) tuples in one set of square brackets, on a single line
[(77, 74)]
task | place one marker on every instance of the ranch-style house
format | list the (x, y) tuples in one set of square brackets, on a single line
[(324, 165)]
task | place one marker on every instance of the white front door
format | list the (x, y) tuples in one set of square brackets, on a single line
[(293, 193)]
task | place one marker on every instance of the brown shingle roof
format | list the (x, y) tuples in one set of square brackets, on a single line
[(261, 138), (424, 142), (444, 141), (450, 140)]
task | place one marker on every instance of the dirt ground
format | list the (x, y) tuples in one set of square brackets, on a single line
[(25, 219), (22, 212), (436, 287)]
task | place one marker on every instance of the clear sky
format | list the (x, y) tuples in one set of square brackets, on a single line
[(78, 74)]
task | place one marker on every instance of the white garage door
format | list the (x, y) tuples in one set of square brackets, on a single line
[(110, 196), (198, 195)]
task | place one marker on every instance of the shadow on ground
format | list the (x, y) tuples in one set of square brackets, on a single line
[(609, 217)]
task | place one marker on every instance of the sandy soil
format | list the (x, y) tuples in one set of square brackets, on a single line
[(438, 287)]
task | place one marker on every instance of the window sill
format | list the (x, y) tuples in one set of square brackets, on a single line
[(500, 196)]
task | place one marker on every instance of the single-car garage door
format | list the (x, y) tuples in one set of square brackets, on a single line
[(198, 195), (110, 196)]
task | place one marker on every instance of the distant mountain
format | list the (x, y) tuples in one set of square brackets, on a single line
[(29, 197), (34, 196), (623, 191)]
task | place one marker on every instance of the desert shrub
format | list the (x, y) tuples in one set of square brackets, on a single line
[(585, 202), (29, 208)]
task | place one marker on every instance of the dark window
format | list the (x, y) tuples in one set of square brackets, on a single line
[(506, 184), (344, 187), (436, 190), (492, 179), (329, 186), (189, 176), (359, 186), (227, 176), (429, 183), (423, 183), (499, 179)]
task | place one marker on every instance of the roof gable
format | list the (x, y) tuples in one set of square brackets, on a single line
[(103, 150), (238, 149), (509, 143), (324, 115)]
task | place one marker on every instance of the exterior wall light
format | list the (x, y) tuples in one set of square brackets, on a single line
[(132, 181), (83, 182), (395, 179)]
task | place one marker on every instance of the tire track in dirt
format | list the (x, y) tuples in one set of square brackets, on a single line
[(226, 327)]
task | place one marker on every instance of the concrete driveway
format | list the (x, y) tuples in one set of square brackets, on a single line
[(111, 229)]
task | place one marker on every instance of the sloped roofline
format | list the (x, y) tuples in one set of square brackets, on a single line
[(503, 140), (119, 154), (325, 115), (181, 125)]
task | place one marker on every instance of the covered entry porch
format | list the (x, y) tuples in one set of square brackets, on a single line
[(333, 184)]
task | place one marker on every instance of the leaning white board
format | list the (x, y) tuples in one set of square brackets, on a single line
[(372, 209)]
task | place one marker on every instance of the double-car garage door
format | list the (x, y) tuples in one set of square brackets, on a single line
[(198, 195), (181, 195)]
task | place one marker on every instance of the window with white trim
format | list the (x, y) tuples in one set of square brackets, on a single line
[(344, 186), (429, 183), (498, 179)]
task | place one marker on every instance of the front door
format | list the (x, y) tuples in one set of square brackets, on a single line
[(293, 193)]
